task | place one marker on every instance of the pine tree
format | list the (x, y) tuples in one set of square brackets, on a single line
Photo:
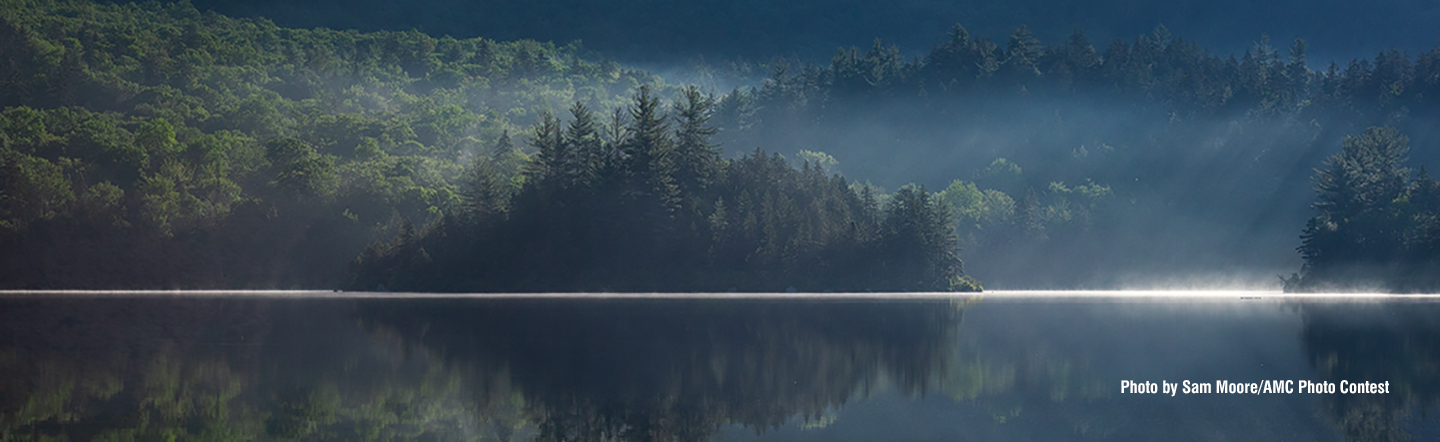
[(960, 62), (484, 193), (502, 145), (1079, 57), (1022, 56), (697, 161), (1359, 225), (1297, 73), (649, 155), (584, 148), (550, 153), (919, 242)]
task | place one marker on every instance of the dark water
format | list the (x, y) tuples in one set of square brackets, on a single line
[(1017, 366)]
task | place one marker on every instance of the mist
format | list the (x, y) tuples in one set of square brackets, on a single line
[(1089, 145), (1197, 186), (1210, 195)]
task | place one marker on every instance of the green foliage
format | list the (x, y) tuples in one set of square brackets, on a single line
[(1002, 174), (300, 171), (990, 222), (819, 160), (977, 212), (172, 133), (965, 283), (31, 189), (151, 127)]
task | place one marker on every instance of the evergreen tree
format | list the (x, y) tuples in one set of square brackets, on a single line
[(697, 160), (502, 145), (918, 242), (649, 156), (1022, 56), (1359, 234), (585, 148), (550, 152), (485, 194), (1077, 57)]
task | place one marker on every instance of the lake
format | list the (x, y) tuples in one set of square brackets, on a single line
[(724, 367)]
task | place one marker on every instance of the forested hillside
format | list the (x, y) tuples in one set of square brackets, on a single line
[(155, 146), (158, 146), (1138, 161)]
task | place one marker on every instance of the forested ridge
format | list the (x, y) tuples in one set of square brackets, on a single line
[(152, 146), (155, 146), (1096, 164)]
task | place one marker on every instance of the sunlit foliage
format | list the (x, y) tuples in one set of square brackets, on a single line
[(158, 146)]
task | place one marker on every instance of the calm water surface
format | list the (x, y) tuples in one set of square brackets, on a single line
[(1004, 366)]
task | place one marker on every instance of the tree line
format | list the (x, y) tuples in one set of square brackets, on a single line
[(1206, 156), (644, 202), (1159, 70), (155, 146)]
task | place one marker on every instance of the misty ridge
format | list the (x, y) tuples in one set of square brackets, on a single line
[(158, 146), (1206, 160)]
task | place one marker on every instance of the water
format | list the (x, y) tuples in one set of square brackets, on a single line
[(1003, 366)]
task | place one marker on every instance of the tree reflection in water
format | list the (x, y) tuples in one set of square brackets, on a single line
[(679, 370), (1394, 342), (233, 368), (245, 369)]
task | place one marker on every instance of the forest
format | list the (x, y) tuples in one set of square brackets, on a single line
[(157, 146), (648, 208)]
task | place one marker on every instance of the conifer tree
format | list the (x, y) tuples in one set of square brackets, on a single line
[(502, 145), (1022, 56), (550, 153), (697, 160), (1361, 227), (649, 155), (583, 146)]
